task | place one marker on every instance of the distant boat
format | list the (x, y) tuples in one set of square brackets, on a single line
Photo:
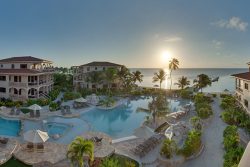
[(215, 79)]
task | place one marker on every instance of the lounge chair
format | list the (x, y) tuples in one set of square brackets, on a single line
[(18, 111), (12, 111), (30, 147), (40, 147), (68, 110), (4, 140), (37, 113), (32, 115)]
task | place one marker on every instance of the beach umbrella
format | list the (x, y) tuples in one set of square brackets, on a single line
[(35, 107), (81, 100), (143, 132), (36, 136)]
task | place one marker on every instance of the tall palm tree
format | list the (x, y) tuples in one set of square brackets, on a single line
[(173, 65), (182, 82), (110, 77), (94, 78), (202, 81), (137, 76), (77, 149), (124, 76), (159, 76)]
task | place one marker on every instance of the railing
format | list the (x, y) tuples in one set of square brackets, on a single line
[(18, 84), (239, 89)]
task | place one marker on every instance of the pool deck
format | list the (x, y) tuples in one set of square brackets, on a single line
[(52, 153), (7, 150)]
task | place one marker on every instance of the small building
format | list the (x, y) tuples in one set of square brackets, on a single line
[(80, 74), (26, 77), (242, 88)]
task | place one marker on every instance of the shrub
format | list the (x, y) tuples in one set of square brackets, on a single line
[(204, 112), (169, 148), (202, 106), (71, 96), (110, 162), (185, 94), (54, 106), (214, 94), (192, 144), (196, 123), (41, 102), (232, 157), (54, 94), (25, 110), (227, 102)]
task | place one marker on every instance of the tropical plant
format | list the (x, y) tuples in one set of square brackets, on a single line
[(196, 123), (110, 162), (159, 76), (137, 76), (192, 144), (95, 78), (77, 149), (182, 82), (169, 148), (110, 77), (173, 65), (202, 81), (158, 107)]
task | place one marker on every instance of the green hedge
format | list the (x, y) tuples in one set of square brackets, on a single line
[(71, 96), (232, 147)]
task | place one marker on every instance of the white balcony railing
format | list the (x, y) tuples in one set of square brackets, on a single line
[(18, 84)]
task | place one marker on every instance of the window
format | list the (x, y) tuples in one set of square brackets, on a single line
[(88, 68), (17, 79), (239, 83), (95, 68), (2, 78), (1, 65), (12, 66), (15, 91), (246, 103), (2, 90), (246, 86), (23, 66), (104, 68)]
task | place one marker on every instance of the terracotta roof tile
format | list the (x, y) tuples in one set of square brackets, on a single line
[(23, 59), (101, 63), (245, 75)]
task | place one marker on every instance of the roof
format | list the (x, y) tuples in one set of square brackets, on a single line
[(23, 59), (18, 71), (101, 63), (245, 75)]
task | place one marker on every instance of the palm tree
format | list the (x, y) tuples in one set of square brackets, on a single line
[(202, 81), (94, 78), (173, 65), (137, 76), (110, 77), (77, 149), (182, 82), (160, 76)]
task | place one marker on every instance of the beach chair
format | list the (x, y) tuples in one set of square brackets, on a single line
[(32, 115), (30, 147), (12, 111), (37, 113), (4, 140), (40, 147), (18, 111)]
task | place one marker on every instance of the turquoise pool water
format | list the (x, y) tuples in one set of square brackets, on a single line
[(9, 127), (122, 120), (56, 128)]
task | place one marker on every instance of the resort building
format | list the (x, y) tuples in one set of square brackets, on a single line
[(27, 77), (242, 88), (80, 74)]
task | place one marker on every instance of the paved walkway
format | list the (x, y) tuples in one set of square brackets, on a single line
[(213, 138)]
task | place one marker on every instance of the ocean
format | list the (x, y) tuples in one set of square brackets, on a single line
[(226, 81)]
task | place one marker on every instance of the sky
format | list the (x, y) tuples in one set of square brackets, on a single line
[(135, 33)]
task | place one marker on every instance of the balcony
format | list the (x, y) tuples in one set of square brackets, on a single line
[(18, 84), (238, 89)]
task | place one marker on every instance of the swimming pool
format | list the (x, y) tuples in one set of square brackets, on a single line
[(123, 120), (9, 127), (54, 128)]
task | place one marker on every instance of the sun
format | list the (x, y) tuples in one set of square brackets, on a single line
[(166, 55)]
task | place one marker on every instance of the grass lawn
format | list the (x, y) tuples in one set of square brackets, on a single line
[(14, 163)]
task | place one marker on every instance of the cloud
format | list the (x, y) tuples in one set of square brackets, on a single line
[(233, 23), (173, 39), (217, 44)]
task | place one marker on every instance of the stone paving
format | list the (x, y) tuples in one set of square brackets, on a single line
[(52, 153), (213, 141), (6, 150)]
